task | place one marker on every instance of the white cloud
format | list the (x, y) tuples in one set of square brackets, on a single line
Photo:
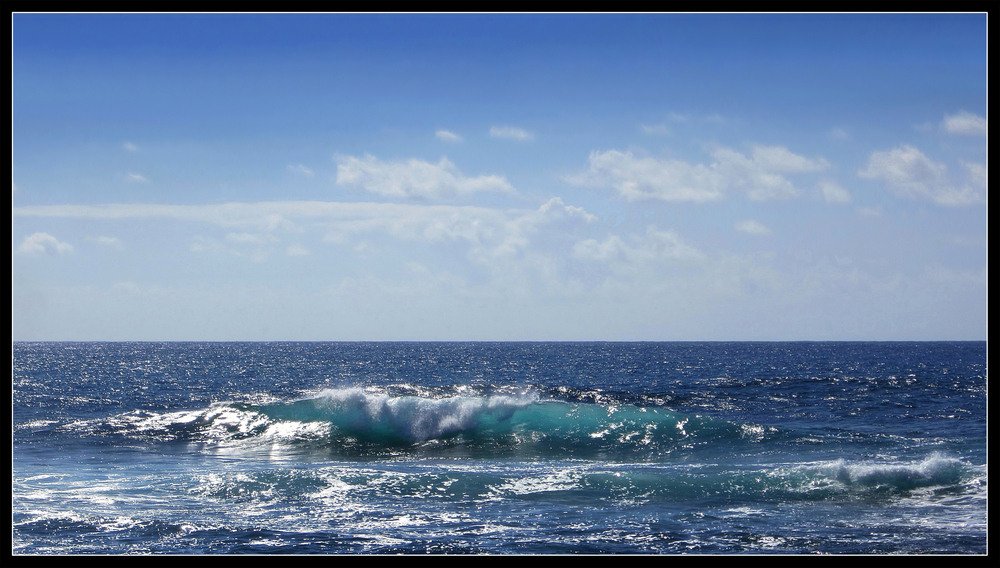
[(203, 244), (300, 169), (112, 242), (256, 247), (136, 178), (907, 172), (978, 174), (557, 207), (780, 159), (942, 274), (833, 193), (414, 178), (249, 238), (510, 133), (130, 147), (43, 243), (448, 136), (752, 227), (714, 118), (965, 123), (760, 182), (660, 129), (654, 245), (261, 216), (638, 178), (489, 233)]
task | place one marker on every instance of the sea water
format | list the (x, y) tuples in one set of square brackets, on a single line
[(499, 448)]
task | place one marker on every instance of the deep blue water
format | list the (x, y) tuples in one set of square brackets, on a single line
[(500, 448)]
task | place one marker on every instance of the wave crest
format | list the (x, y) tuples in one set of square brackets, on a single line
[(935, 469), (402, 418)]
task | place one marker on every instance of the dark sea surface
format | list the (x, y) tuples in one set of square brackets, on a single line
[(500, 448)]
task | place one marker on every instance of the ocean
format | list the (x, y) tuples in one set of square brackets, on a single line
[(499, 448)]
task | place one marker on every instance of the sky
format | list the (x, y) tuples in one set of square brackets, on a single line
[(499, 177)]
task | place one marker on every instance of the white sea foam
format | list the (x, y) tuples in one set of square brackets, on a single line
[(935, 469), (416, 418)]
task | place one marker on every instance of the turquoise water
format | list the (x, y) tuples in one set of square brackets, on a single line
[(500, 448)]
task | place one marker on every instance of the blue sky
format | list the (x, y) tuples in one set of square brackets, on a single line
[(499, 177)]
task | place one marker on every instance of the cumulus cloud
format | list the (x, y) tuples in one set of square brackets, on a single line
[(510, 133), (414, 178), (43, 243), (752, 227), (965, 123), (644, 177), (448, 136), (907, 172), (760, 182), (557, 207)]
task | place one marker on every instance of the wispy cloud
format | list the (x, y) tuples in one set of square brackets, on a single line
[(511, 133), (491, 235), (130, 147), (838, 134), (414, 178), (448, 136), (136, 178), (657, 129), (978, 174), (110, 242), (654, 245), (752, 227), (245, 238), (644, 177), (965, 123), (833, 193), (907, 172), (301, 170), (780, 159), (638, 178), (714, 118)]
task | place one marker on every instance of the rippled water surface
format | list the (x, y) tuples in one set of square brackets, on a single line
[(501, 448)]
